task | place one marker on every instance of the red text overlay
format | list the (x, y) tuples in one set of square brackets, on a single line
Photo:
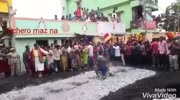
[(35, 31)]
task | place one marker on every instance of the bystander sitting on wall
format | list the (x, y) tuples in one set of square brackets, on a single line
[(62, 18), (83, 14)]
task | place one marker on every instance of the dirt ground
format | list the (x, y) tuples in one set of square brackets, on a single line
[(163, 80)]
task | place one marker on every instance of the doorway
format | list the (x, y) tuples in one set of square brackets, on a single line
[(42, 43)]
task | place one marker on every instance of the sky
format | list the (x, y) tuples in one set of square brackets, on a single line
[(48, 8), (162, 6), (37, 8)]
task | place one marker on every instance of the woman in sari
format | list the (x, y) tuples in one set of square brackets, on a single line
[(64, 59), (85, 56), (74, 59)]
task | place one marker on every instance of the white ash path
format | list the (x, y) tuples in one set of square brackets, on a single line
[(81, 87)]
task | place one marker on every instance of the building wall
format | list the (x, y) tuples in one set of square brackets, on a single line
[(107, 6)]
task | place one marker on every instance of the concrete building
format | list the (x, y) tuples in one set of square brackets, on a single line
[(127, 10)]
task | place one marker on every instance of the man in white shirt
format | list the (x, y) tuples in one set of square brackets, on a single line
[(117, 52), (56, 55), (90, 55)]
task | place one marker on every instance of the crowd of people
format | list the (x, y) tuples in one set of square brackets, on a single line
[(78, 55), (83, 14)]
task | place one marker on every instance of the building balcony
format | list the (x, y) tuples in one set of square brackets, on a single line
[(141, 24)]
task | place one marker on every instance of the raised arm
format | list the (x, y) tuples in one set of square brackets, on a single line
[(43, 51)]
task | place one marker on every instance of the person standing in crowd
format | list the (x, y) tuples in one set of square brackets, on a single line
[(56, 54), (136, 53), (69, 49), (74, 60), (173, 56), (117, 52), (90, 55), (144, 58), (50, 60), (122, 47), (128, 53), (13, 62), (162, 47), (85, 56), (107, 51), (26, 61), (37, 59), (98, 12), (155, 52), (64, 59)]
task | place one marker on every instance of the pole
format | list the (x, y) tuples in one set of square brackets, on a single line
[(144, 15)]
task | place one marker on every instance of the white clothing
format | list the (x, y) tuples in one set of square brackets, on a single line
[(90, 51), (56, 54), (38, 66), (69, 50), (50, 59), (117, 51), (163, 47)]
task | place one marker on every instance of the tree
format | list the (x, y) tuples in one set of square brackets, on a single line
[(172, 20)]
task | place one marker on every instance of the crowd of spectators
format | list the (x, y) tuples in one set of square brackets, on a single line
[(84, 14)]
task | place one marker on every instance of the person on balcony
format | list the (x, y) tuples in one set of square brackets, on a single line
[(78, 13)]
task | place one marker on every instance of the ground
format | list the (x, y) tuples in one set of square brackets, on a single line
[(127, 84)]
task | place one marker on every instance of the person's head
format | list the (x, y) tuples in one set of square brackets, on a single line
[(36, 46), (114, 16), (161, 38), (57, 47), (27, 48), (97, 8), (87, 10), (62, 17), (66, 16)]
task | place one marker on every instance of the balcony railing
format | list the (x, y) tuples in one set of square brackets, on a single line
[(136, 24)]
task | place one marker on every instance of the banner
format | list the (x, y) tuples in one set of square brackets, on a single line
[(150, 25), (4, 5), (108, 27)]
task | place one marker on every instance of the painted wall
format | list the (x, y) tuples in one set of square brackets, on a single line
[(107, 7), (64, 28)]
